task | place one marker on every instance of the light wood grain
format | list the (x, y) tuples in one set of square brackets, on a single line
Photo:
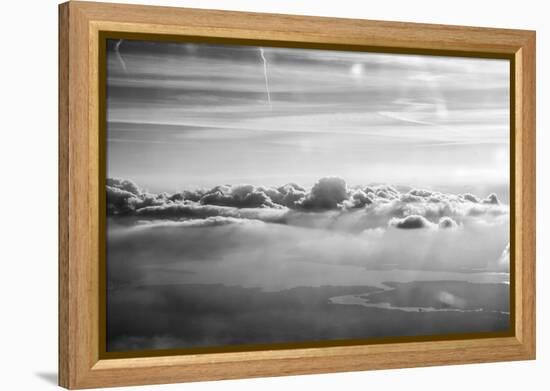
[(80, 24), (526, 214), (64, 325)]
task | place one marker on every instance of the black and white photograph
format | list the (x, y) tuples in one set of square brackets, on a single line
[(271, 196)]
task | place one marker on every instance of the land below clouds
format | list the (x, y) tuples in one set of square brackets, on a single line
[(215, 315), (245, 264)]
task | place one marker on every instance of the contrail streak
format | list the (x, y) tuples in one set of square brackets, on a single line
[(265, 77), (117, 51)]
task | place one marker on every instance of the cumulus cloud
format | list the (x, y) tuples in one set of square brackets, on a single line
[(329, 204), (447, 222), (491, 199), (289, 195), (124, 184), (410, 198), (327, 193), (470, 197), (121, 202), (278, 236), (385, 192), (358, 199), (239, 196), (421, 193), (411, 222)]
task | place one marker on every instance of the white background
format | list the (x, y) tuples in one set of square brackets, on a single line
[(28, 196)]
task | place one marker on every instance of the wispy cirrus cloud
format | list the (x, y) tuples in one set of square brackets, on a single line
[(363, 116)]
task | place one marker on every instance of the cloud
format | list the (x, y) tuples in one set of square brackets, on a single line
[(410, 198), (411, 222), (246, 196), (178, 210), (363, 227), (421, 193), (124, 184), (491, 199), (470, 197), (358, 199), (384, 191), (447, 222), (327, 193), (239, 196), (450, 300), (121, 202), (213, 221), (329, 204), (191, 210), (310, 248), (288, 195)]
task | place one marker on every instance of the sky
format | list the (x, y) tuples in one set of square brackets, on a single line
[(182, 116)]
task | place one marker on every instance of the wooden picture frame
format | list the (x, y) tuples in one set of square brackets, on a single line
[(81, 161)]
